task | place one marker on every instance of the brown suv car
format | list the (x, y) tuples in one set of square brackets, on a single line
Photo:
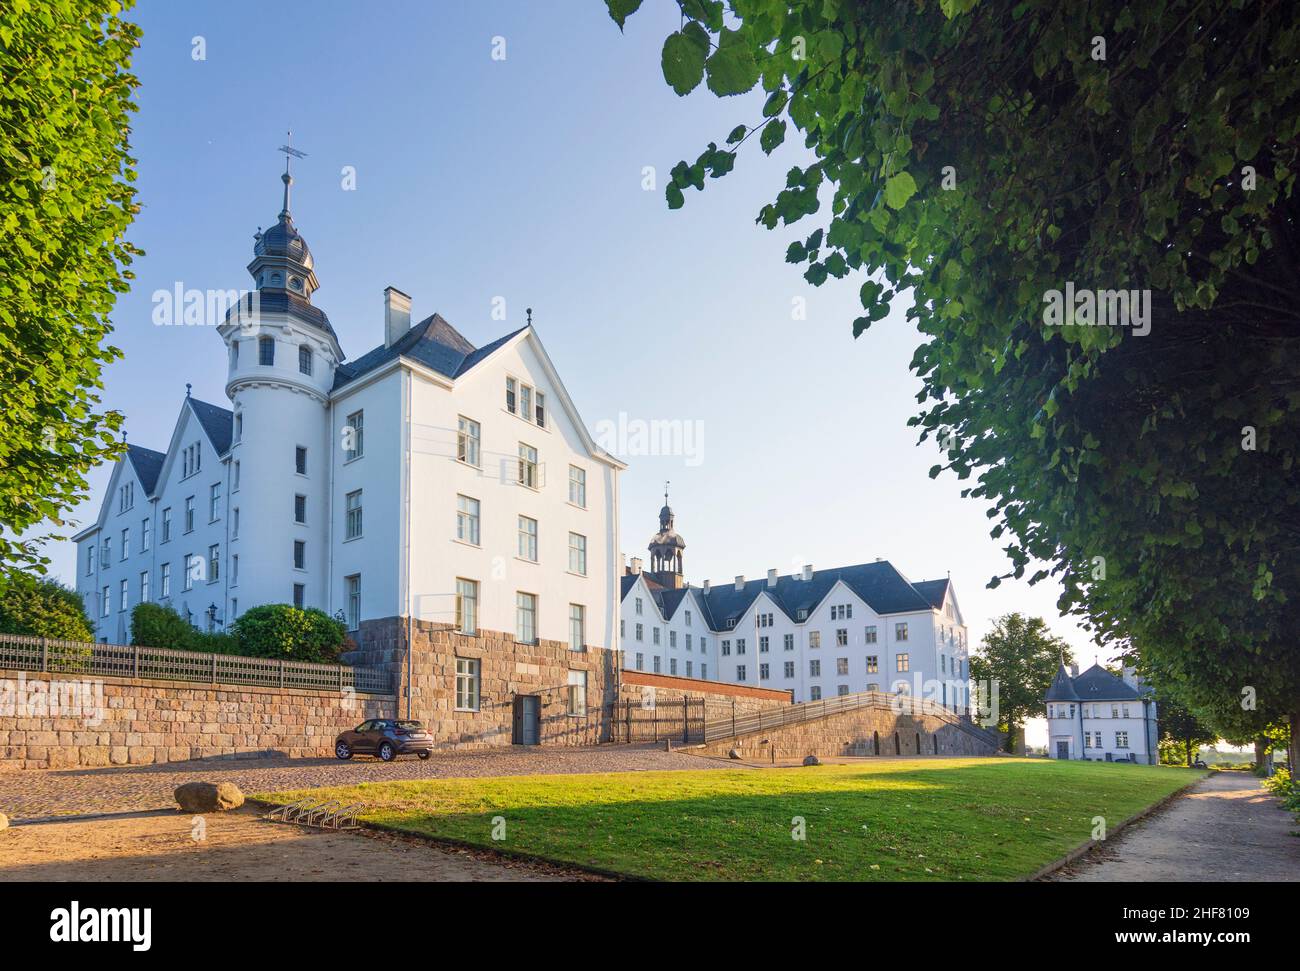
[(386, 737)]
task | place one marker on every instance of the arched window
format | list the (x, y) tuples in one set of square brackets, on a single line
[(304, 359), (875, 740), (898, 747), (266, 350)]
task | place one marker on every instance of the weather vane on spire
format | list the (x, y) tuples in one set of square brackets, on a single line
[(287, 179), (667, 483)]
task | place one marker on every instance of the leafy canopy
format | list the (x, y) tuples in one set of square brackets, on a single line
[(66, 200), (969, 158), (1021, 656)]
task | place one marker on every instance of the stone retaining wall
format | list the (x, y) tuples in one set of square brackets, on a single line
[(50, 721), (860, 732)]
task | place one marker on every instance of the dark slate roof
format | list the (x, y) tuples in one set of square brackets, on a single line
[(147, 464), (283, 301), (879, 584), (283, 239), (1098, 684), (1062, 687), (432, 342), (934, 591), (217, 422)]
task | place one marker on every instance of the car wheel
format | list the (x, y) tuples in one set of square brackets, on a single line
[(423, 756), (387, 752), (343, 751)]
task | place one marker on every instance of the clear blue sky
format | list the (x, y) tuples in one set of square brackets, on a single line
[(521, 178)]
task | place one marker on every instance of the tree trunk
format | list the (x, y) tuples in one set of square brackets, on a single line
[(1261, 746), (1187, 743)]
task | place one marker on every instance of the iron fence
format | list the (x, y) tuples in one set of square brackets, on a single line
[(678, 719), (23, 653)]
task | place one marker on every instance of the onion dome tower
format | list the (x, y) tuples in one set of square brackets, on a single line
[(666, 550)]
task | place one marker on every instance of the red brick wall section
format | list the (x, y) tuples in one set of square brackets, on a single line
[(47, 721)]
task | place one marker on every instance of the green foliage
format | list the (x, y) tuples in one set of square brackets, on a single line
[(42, 607), (1022, 658), (1181, 731), (969, 158), (290, 633), (158, 625), (66, 200)]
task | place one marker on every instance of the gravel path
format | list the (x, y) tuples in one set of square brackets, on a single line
[(35, 793), (1225, 828)]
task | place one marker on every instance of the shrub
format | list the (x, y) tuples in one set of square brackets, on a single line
[(43, 608), (290, 633), (214, 642), (156, 625)]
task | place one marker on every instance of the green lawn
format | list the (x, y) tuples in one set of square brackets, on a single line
[(923, 819)]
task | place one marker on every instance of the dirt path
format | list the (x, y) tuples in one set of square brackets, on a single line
[(1225, 828), (239, 847)]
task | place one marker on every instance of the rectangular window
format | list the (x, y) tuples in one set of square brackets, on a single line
[(688, 642), (234, 569), (467, 684), (689, 667), (511, 385), (189, 515), (871, 635), (726, 648), (105, 602), (528, 538), (578, 486), (466, 606), (577, 554), (300, 460), (873, 664), (841, 666), (672, 638), (299, 555), (525, 402), (214, 502), (740, 645), (144, 587), (239, 428), (704, 671), (1121, 739), (638, 606), (640, 632), (815, 669), (234, 523), (467, 441), (789, 669), (106, 553), (166, 524), (234, 478), (740, 672), (304, 359), (788, 642), (300, 509), (640, 661), (354, 437), (688, 618), (763, 672), (815, 693), (214, 563), (814, 638), (90, 560), (527, 466), (672, 665), (188, 580), (657, 634), (541, 410), (841, 637), (577, 627), (467, 521), (526, 618), (900, 631), (842, 689), (352, 589), (126, 543), (299, 595), (577, 692), (762, 644), (352, 503), (266, 351), (146, 535), (903, 662), (165, 581), (122, 595), (657, 664)]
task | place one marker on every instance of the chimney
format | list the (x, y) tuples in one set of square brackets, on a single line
[(623, 557), (397, 315), (706, 587), (807, 571), (636, 566), (740, 583), (771, 578)]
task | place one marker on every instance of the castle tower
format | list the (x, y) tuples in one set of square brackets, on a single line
[(666, 550), (282, 357)]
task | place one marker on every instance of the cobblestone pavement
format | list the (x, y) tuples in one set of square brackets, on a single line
[(35, 793)]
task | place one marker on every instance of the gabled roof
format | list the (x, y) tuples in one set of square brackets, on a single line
[(1095, 684), (217, 422), (432, 342), (935, 591), (147, 464)]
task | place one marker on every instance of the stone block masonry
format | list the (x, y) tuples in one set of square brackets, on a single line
[(142, 722)]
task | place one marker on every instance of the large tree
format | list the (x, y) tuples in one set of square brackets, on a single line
[(66, 200), (974, 161), (1181, 729), (1020, 656)]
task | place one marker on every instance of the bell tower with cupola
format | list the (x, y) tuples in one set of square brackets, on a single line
[(666, 550)]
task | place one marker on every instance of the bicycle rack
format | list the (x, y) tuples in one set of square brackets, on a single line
[(330, 814)]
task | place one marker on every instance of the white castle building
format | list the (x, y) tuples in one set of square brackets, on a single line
[(1098, 716), (817, 633), (427, 478)]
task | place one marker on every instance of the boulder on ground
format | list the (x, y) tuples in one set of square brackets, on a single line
[(208, 797), (734, 754), (4, 821), (812, 760)]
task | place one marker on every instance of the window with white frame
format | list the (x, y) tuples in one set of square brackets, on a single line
[(814, 668), (903, 662), (527, 466), (299, 554), (354, 436), (900, 631), (640, 661), (467, 684), (352, 596), (234, 569), (466, 605), (788, 669), (126, 543), (123, 594), (146, 535), (188, 580), (214, 563), (300, 460), (304, 360), (726, 648), (841, 637), (577, 693), (126, 497), (300, 595), (467, 520), (639, 632), (353, 514), (656, 631), (740, 645), (873, 664), (106, 552), (870, 635), (165, 581), (144, 587), (577, 627), (266, 351), (672, 638), (672, 665), (578, 486), (526, 618), (166, 524), (740, 672), (189, 514), (467, 441), (815, 693), (214, 502), (527, 529), (814, 638), (841, 666), (1121, 739), (512, 387), (578, 554), (764, 672)]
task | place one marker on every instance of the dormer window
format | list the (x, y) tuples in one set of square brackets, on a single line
[(266, 351), (277, 280), (295, 282)]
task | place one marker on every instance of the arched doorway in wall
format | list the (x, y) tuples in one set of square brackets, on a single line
[(898, 745), (875, 741)]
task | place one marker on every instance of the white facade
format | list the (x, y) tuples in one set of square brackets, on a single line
[(1100, 717), (389, 486)]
